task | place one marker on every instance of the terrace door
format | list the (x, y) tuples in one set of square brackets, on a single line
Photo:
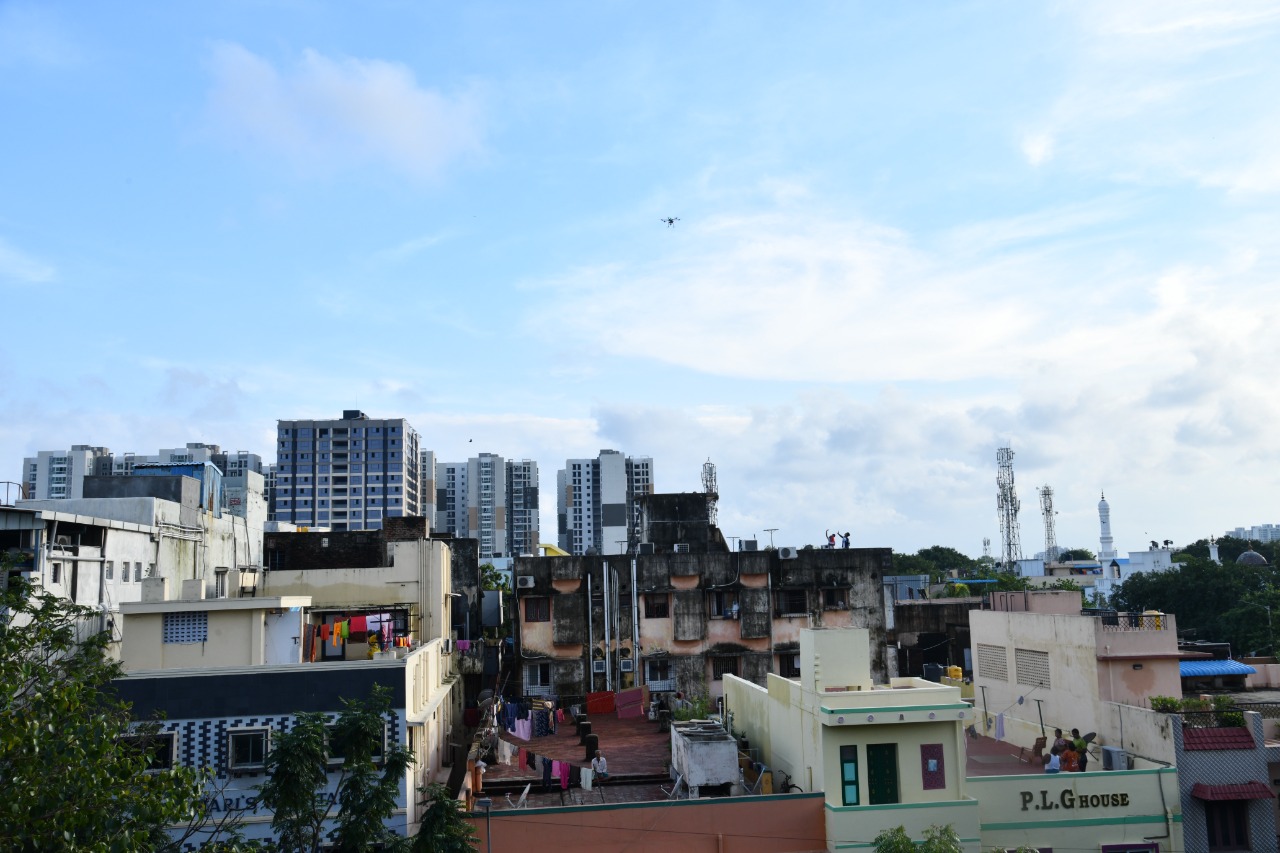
[(882, 773)]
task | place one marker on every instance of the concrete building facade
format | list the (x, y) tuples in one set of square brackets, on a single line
[(349, 473), (681, 621)]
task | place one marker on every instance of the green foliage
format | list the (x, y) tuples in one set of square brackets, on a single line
[(1224, 603), (937, 839), (443, 828), (491, 578), (958, 590), (935, 561), (695, 708), (71, 781), (366, 793), (1076, 554), (1166, 704)]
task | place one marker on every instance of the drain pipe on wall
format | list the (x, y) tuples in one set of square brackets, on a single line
[(591, 641), (608, 658), (635, 625)]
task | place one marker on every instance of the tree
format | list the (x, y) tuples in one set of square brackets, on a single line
[(491, 578), (1076, 554), (443, 828), (298, 769), (937, 839), (75, 766)]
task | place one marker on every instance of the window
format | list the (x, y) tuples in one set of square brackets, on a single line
[(1032, 667), (220, 584), (659, 670), (789, 666), (992, 662), (722, 605), (849, 774), (55, 572), (537, 675), (337, 755), (109, 570), (834, 599), (657, 606), (246, 749), (537, 609), (792, 602), (191, 627), (159, 749), (151, 570), (137, 572), (722, 666)]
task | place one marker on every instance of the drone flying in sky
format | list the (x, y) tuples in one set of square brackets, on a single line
[(670, 220)]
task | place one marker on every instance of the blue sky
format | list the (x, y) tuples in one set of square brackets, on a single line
[(909, 234)]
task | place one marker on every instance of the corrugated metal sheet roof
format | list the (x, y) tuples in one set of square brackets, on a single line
[(1195, 668)]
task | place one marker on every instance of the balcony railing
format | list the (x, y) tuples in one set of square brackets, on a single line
[(1132, 621), (661, 685)]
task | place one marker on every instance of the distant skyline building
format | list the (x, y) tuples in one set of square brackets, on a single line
[(596, 502), (1261, 532), (491, 500), (59, 474), (346, 473)]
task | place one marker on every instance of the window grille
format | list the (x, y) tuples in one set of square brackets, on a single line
[(1033, 667), (186, 627), (992, 662)]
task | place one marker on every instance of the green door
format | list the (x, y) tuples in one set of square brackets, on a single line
[(882, 773)]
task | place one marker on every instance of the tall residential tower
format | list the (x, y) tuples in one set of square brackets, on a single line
[(348, 473), (596, 509), (491, 500)]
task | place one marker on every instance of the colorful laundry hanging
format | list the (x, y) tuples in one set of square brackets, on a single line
[(360, 623)]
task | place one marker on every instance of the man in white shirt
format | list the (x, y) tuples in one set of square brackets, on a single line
[(599, 766)]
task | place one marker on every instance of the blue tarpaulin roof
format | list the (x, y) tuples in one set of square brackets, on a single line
[(1195, 668)]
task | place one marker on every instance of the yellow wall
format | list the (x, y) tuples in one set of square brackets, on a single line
[(235, 639)]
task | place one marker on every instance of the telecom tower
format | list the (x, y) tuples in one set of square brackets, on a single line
[(1050, 538), (710, 490), (986, 546), (1007, 507)]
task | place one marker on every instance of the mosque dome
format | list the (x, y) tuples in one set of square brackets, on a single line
[(1251, 558)]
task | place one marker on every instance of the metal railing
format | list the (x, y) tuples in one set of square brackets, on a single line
[(661, 685), (1132, 621)]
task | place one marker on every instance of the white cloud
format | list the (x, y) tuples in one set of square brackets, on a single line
[(326, 112), (1155, 91), (18, 266)]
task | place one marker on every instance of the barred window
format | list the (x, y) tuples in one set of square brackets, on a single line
[(186, 627), (992, 662), (1032, 666)]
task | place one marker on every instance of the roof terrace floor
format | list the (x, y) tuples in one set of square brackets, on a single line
[(990, 757)]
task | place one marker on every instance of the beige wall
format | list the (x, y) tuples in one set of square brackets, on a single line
[(433, 699), (1136, 801), (236, 638)]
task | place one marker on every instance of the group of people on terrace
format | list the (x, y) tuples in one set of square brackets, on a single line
[(1068, 755)]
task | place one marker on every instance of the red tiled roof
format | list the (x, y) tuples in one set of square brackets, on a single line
[(1241, 791), (1235, 737)]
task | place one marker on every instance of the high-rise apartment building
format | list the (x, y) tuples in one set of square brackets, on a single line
[(596, 509), (492, 500), (52, 474), (427, 484), (348, 473)]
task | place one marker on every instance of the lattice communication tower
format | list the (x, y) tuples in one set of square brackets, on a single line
[(1007, 506), (710, 489), (1050, 537)]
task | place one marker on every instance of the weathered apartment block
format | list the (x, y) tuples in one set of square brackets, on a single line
[(681, 621)]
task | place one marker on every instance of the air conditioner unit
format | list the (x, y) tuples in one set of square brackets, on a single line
[(749, 545), (446, 647), (787, 553), (598, 666), (680, 548), (1114, 758), (626, 665), (646, 549), (524, 582)]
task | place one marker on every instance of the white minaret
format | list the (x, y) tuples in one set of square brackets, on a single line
[(1107, 550), (1213, 551)]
